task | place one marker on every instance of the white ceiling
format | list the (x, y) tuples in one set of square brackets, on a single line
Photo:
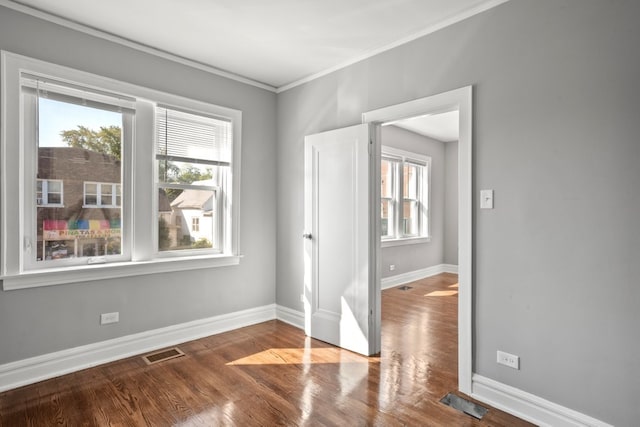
[(443, 127), (275, 42)]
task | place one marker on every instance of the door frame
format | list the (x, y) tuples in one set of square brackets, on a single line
[(462, 100)]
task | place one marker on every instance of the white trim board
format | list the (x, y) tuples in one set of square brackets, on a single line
[(412, 276), (500, 396), (65, 22), (462, 100), (34, 369), (59, 20), (292, 317), (479, 8), (528, 406)]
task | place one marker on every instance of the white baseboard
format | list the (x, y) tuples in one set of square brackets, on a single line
[(34, 369), (412, 276), (290, 316), (528, 406)]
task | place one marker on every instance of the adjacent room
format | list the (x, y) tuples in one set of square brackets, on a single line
[(389, 212)]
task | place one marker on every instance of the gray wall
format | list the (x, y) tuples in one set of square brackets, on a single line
[(451, 203), (43, 320), (413, 257), (556, 136)]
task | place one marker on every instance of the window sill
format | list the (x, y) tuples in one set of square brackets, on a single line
[(405, 241), (87, 273)]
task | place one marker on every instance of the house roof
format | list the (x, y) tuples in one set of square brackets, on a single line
[(193, 199)]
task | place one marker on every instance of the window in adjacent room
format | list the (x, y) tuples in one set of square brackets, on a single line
[(404, 195)]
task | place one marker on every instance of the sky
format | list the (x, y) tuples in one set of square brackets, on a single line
[(56, 116)]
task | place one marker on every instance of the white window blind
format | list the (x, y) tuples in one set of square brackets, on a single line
[(192, 138)]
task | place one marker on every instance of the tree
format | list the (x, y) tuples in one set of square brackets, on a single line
[(164, 240), (186, 175), (107, 140)]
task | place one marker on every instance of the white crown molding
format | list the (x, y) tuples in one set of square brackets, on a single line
[(131, 44), (528, 406), (34, 369), (412, 276), (431, 29), (489, 4)]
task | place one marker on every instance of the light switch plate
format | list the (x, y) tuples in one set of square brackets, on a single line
[(486, 199)]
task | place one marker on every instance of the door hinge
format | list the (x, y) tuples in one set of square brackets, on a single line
[(370, 146)]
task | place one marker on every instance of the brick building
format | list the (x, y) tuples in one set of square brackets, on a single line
[(79, 203)]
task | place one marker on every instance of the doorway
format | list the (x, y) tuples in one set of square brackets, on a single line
[(459, 100)]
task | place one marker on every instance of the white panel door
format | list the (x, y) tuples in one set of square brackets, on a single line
[(342, 239)]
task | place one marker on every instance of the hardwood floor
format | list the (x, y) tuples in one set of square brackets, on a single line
[(271, 374)]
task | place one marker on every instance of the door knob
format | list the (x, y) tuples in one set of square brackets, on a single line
[(307, 236)]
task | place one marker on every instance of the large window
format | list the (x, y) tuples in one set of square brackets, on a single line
[(404, 196), (84, 190), (71, 135), (193, 153)]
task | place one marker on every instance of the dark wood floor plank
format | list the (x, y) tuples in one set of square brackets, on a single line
[(270, 374)]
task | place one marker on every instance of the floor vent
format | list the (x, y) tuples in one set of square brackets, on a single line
[(405, 287), (464, 405), (162, 355)]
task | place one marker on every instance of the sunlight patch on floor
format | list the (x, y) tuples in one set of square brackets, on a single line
[(299, 356), (441, 294), (455, 285)]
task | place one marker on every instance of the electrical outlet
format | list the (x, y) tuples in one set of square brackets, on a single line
[(392, 267), (510, 360), (106, 318)]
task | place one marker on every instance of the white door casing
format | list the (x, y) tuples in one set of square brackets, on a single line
[(462, 100), (341, 245)]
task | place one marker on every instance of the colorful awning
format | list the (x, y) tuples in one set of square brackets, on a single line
[(54, 229), (81, 224)]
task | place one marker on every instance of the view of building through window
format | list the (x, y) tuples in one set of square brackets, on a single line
[(79, 175)]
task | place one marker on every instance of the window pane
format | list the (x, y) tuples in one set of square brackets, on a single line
[(386, 211), (54, 199), (188, 173), (193, 151), (387, 179), (77, 144), (90, 188), (410, 218), (188, 221), (410, 176), (54, 186)]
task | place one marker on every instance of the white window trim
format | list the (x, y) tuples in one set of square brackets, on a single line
[(144, 252), (425, 222), (45, 194)]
